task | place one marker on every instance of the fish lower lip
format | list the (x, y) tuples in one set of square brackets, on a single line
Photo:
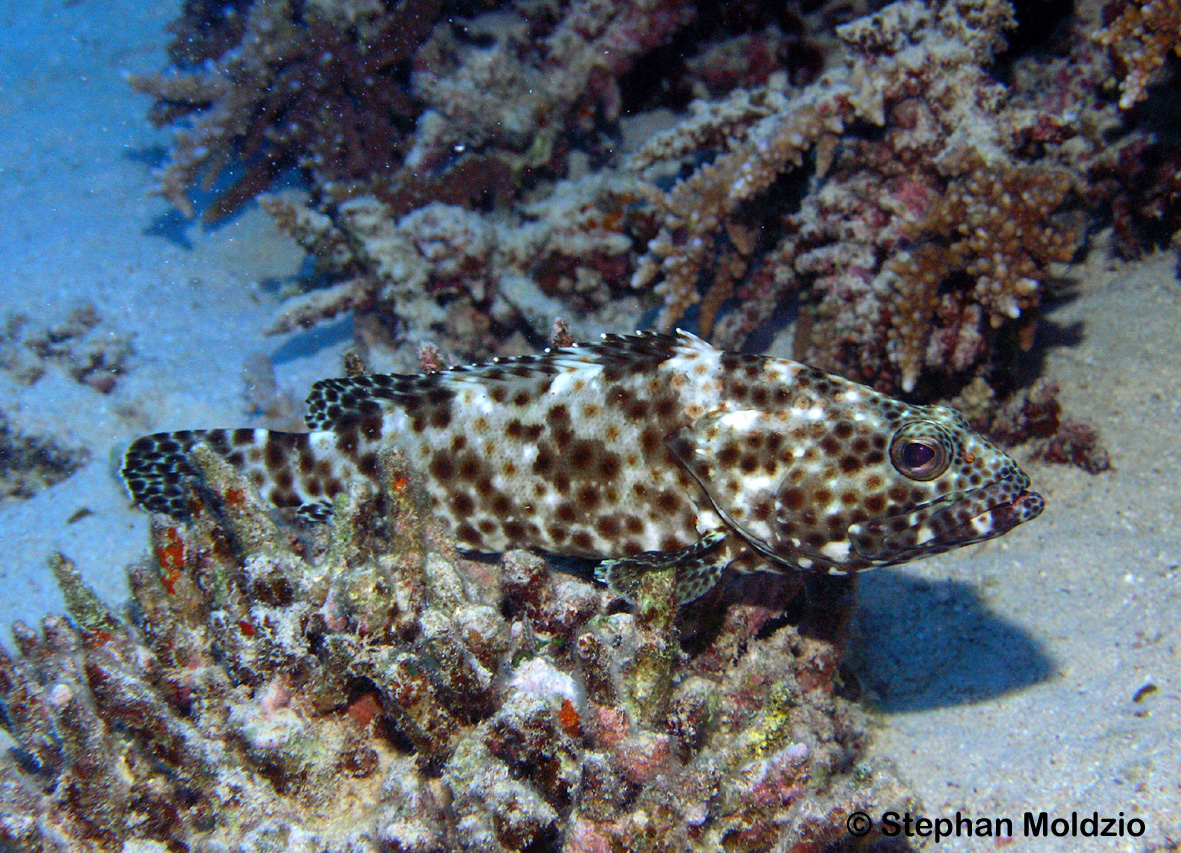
[(998, 519), (991, 511)]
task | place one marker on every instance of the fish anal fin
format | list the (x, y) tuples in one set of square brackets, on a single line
[(316, 512)]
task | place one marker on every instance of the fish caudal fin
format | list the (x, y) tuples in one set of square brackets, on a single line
[(155, 469), (298, 471)]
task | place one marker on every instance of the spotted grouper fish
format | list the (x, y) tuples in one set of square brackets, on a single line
[(642, 452)]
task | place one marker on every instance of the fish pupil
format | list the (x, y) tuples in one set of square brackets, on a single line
[(916, 455)]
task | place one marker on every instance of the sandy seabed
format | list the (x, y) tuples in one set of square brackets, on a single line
[(1036, 673)]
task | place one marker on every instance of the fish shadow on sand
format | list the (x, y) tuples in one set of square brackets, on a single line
[(918, 645)]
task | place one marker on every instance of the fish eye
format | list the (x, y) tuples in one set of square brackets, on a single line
[(918, 457)]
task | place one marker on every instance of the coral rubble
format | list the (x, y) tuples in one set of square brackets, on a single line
[(1034, 416), (361, 687), (31, 463), (90, 356)]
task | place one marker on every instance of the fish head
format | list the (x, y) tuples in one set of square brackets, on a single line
[(943, 486), (862, 481)]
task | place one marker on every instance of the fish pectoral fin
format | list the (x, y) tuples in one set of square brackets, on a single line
[(733, 456), (698, 567)]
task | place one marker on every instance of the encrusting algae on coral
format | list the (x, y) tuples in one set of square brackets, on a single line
[(360, 686)]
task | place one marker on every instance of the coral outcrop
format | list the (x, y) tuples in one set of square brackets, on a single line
[(903, 188), (90, 355), (359, 686), (926, 228)]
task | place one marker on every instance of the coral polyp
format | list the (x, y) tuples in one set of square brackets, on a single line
[(362, 687)]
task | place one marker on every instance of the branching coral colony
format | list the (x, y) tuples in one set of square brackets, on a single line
[(908, 206), (365, 689), (388, 95), (1142, 35), (923, 235), (273, 85)]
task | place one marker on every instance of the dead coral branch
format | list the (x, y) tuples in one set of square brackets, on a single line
[(319, 86)]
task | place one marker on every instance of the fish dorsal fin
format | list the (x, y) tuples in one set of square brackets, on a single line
[(333, 401), (737, 458)]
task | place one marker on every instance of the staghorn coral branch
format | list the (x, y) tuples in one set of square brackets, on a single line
[(699, 206), (1140, 34)]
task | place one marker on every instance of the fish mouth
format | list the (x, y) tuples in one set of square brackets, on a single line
[(955, 520), (997, 519)]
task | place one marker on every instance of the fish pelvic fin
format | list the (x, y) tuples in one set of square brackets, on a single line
[(699, 567)]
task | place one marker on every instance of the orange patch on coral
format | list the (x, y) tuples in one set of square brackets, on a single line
[(171, 557), (569, 719)]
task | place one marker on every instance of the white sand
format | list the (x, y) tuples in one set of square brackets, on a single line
[(1005, 673)]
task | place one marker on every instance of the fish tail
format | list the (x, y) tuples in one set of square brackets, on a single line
[(299, 471), (157, 467)]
